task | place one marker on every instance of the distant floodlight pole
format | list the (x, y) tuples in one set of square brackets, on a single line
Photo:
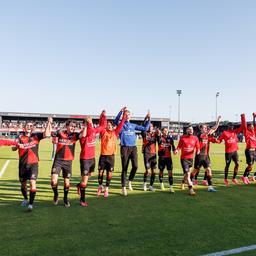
[(179, 92), (216, 113)]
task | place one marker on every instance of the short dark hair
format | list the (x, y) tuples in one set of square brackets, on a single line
[(189, 125), (69, 121), (31, 122)]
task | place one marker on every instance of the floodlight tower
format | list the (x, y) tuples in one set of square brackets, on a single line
[(179, 92), (216, 105)]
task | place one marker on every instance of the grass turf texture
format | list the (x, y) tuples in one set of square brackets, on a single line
[(144, 223)]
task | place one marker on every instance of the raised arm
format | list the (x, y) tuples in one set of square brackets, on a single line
[(121, 124), (215, 127), (145, 126), (117, 119), (48, 129), (243, 123), (254, 121), (102, 123), (88, 128)]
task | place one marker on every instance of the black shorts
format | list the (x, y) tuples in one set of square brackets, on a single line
[(28, 172), (107, 163), (250, 155), (231, 156), (201, 160), (165, 162), (64, 165), (186, 164), (149, 161), (87, 166)]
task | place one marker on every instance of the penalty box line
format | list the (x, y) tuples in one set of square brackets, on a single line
[(233, 251), (4, 168)]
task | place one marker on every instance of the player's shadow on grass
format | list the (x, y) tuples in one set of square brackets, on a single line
[(9, 158), (10, 189)]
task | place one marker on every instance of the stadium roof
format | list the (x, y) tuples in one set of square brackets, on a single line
[(68, 116)]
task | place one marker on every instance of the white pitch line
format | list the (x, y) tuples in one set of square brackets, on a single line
[(233, 251), (4, 168)]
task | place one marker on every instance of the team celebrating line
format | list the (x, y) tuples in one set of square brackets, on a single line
[(194, 148)]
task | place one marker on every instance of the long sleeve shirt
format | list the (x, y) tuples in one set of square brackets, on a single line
[(127, 134), (88, 142), (108, 140)]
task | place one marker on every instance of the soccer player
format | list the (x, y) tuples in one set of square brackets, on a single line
[(149, 156), (249, 130), (67, 139), (87, 155), (128, 147), (165, 146), (188, 144), (27, 145), (231, 147), (107, 154), (203, 158)]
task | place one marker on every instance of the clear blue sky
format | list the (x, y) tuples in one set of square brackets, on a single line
[(82, 56)]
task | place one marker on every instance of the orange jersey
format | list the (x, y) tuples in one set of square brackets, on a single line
[(108, 143), (108, 140)]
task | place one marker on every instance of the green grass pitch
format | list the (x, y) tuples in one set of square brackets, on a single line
[(144, 223)]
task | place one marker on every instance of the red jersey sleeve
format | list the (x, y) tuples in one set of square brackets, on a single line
[(102, 124), (119, 127), (179, 145), (221, 138), (8, 143), (243, 124), (239, 130), (90, 129), (212, 139)]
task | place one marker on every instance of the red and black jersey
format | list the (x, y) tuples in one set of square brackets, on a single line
[(187, 145), (149, 142), (165, 145), (28, 153), (66, 144), (204, 141)]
